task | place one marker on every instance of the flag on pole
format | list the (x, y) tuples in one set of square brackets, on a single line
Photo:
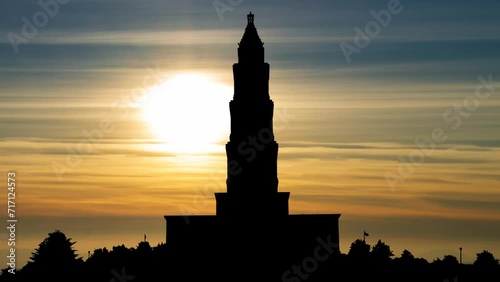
[(366, 234)]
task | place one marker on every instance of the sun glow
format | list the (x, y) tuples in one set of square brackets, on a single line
[(189, 113)]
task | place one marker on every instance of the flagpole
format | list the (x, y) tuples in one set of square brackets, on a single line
[(364, 232)]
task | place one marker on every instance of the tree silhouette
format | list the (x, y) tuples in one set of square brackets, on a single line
[(98, 265), (411, 268), (144, 248), (359, 249), (99, 254), (445, 269), (55, 249), (407, 256), (120, 255), (381, 252), (485, 259), (6, 276), (54, 260), (450, 260)]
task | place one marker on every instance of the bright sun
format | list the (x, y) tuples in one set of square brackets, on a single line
[(189, 113)]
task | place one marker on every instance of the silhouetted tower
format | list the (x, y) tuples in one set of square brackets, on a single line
[(251, 213), (252, 152)]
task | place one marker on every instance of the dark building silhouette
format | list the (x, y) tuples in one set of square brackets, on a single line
[(252, 218)]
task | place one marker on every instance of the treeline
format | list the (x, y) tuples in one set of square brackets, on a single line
[(56, 260)]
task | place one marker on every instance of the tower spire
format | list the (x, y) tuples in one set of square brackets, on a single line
[(250, 17), (252, 151), (250, 47)]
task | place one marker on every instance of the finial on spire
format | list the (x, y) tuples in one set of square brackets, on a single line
[(250, 38), (250, 17)]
